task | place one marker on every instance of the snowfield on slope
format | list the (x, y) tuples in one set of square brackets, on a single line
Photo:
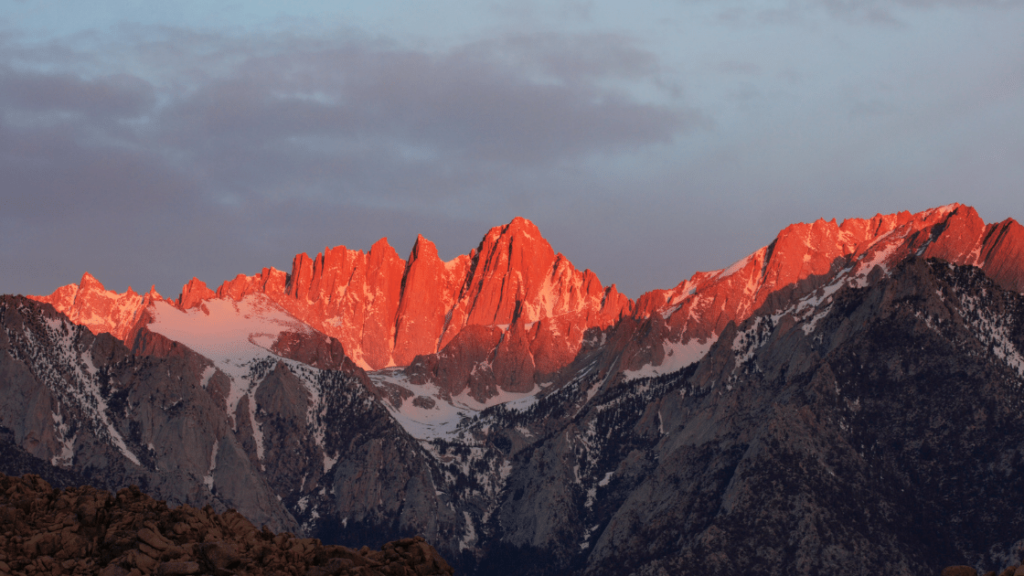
[(235, 334), (678, 355), (445, 418), (230, 333)]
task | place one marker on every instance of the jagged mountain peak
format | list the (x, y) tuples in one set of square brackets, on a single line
[(803, 258), (386, 311), (90, 304), (518, 226), (89, 282), (423, 248), (193, 293)]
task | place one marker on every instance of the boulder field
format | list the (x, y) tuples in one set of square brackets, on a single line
[(89, 531)]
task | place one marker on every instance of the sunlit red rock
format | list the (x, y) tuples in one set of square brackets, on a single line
[(428, 293), (536, 306), (1001, 255), (956, 239), (513, 364), (194, 293), (386, 311), (90, 304), (804, 257)]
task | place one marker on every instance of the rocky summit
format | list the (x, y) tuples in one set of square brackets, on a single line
[(395, 310), (88, 531), (845, 399)]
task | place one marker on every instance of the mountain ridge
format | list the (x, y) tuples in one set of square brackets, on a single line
[(818, 406), (385, 311), (394, 309)]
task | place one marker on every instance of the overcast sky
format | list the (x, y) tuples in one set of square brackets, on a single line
[(148, 143)]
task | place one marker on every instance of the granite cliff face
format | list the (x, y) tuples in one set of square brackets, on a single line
[(385, 311), (846, 398), (513, 314), (802, 259)]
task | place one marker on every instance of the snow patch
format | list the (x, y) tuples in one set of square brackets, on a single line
[(736, 267), (446, 416), (810, 325), (232, 334), (586, 536), (207, 374), (470, 538), (329, 462), (257, 430), (208, 479), (67, 445), (236, 336), (678, 355)]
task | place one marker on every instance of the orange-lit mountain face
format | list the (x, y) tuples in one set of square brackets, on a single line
[(805, 259), (512, 312), (386, 311), (91, 305)]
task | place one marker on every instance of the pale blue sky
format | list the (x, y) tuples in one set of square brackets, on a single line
[(149, 143)]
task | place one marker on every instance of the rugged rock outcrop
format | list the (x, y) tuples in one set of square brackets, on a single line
[(386, 311), (314, 349), (874, 432), (100, 310), (84, 530), (929, 354), (802, 259)]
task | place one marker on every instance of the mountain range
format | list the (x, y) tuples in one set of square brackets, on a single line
[(847, 397)]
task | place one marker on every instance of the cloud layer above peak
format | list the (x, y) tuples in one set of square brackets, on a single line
[(645, 145)]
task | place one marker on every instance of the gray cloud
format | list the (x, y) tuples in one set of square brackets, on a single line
[(40, 94), (244, 151), (889, 12), (885, 12), (150, 155), (480, 103)]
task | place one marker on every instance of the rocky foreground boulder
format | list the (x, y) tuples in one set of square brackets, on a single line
[(89, 531)]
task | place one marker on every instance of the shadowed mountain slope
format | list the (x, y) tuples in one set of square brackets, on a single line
[(846, 399)]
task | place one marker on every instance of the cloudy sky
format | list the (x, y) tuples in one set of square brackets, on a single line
[(148, 143)]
